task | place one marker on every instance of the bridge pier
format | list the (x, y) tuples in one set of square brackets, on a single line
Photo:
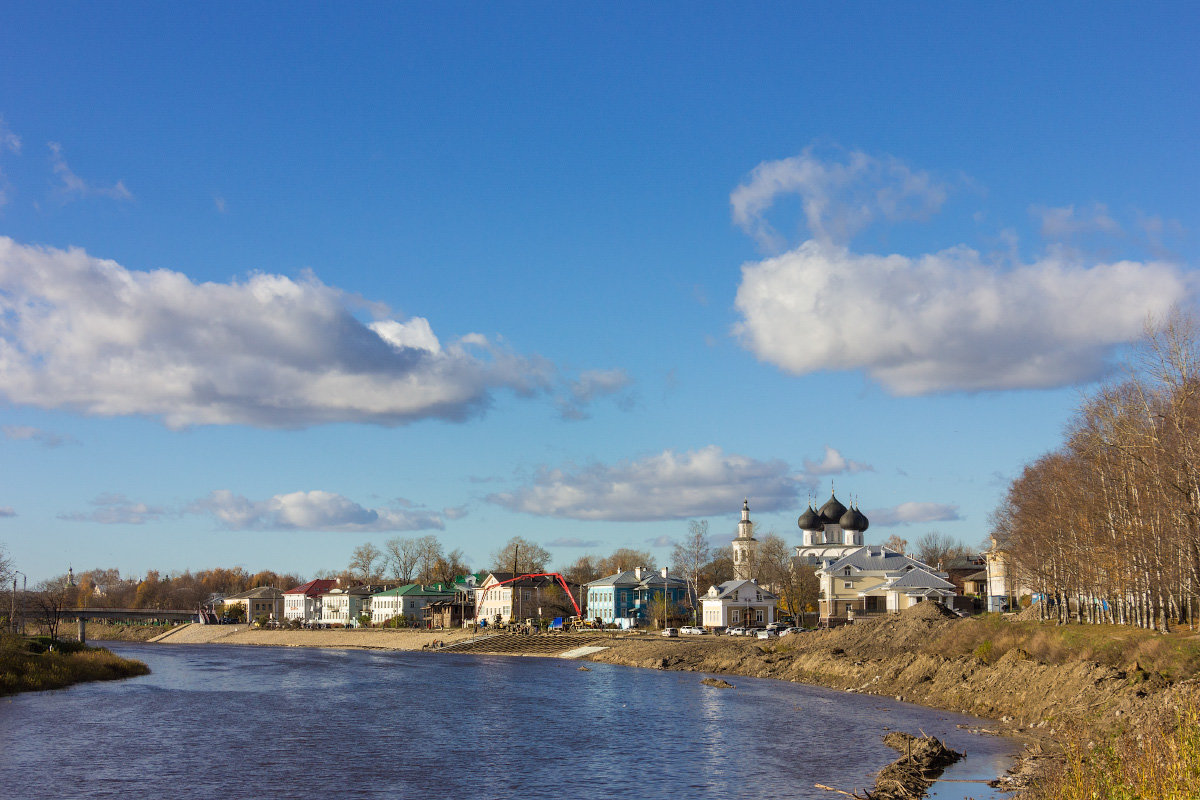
[(82, 630)]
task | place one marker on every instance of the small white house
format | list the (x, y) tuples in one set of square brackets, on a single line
[(345, 606), (303, 604), (736, 603)]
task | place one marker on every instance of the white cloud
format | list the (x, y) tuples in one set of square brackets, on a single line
[(29, 433), (839, 198), (1064, 222), (75, 187), (8, 140), (454, 512), (12, 143), (7, 511), (948, 321), (574, 542), (310, 511), (591, 385), (667, 485), (87, 334), (117, 509), (834, 463), (909, 513)]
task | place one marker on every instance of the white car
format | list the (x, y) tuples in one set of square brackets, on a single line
[(670, 631), (691, 630), (767, 633), (738, 631)]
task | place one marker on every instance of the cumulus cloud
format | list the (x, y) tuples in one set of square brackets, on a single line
[(74, 187), (948, 321), (454, 512), (310, 511), (1064, 222), (7, 511), (834, 463), (663, 486), (574, 542), (589, 386), (117, 509), (839, 197), (89, 335), (30, 433), (909, 513)]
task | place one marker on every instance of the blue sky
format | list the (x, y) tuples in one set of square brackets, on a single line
[(279, 280)]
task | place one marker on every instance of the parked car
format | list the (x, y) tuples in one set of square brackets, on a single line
[(692, 630), (791, 631), (670, 631), (767, 633), (738, 631), (777, 626)]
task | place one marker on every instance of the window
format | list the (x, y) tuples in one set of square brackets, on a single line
[(847, 584), (758, 615), (847, 570)]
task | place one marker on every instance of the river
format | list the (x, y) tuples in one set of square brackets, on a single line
[(223, 723)]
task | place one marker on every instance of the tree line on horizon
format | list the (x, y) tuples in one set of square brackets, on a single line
[(1107, 526)]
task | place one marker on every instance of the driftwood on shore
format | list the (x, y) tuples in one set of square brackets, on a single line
[(923, 760)]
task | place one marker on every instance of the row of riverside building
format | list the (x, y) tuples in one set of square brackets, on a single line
[(855, 580)]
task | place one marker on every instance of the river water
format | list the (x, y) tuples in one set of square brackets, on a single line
[(227, 722)]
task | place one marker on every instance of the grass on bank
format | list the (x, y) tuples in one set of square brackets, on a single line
[(33, 664), (1158, 757), (989, 636)]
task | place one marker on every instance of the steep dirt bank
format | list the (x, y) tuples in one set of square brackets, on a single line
[(890, 656), (928, 656)]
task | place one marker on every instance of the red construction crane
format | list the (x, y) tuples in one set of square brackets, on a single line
[(558, 576)]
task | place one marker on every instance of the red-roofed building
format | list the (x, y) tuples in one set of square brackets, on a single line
[(304, 602)]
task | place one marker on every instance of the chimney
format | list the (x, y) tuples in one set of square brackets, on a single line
[(637, 573), (664, 572)]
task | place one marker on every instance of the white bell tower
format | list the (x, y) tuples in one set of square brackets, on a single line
[(744, 546)]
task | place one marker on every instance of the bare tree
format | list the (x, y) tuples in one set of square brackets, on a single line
[(365, 561), (6, 566), (938, 549), (689, 557), (894, 542), (450, 566), (625, 558), (583, 570), (718, 570), (50, 600), (402, 555), (520, 555), (429, 550)]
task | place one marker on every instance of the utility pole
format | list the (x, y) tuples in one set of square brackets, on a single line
[(513, 606)]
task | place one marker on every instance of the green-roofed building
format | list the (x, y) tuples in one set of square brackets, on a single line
[(409, 601)]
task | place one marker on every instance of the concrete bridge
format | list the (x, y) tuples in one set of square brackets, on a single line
[(84, 614)]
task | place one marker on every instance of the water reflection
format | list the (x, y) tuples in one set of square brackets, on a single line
[(264, 722)]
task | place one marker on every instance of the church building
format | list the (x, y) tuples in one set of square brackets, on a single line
[(831, 533)]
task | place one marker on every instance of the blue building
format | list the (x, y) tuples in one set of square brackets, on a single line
[(624, 599)]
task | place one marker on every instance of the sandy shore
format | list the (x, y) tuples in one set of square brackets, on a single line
[(362, 638)]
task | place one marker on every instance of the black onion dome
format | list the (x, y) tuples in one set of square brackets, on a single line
[(810, 520), (832, 511), (853, 520)]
